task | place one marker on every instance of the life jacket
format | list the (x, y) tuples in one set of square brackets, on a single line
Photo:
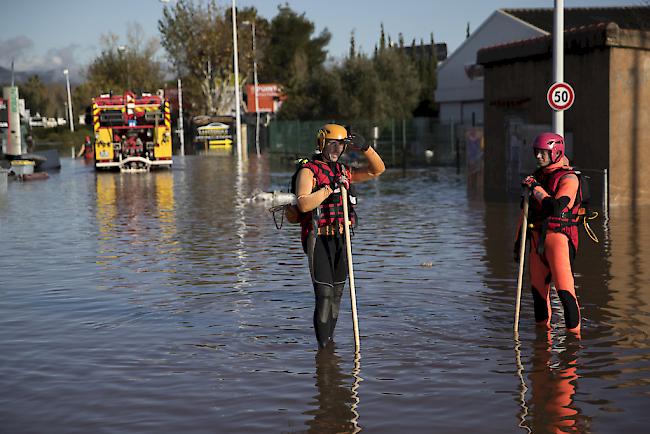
[(567, 220), (330, 212)]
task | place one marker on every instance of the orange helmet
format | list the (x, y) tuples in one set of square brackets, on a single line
[(330, 132)]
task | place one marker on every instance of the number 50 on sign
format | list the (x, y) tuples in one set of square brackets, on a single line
[(560, 96)]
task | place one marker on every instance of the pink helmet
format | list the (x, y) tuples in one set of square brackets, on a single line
[(550, 142)]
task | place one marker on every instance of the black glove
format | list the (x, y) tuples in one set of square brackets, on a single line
[(530, 182), (515, 251), (357, 142), (340, 181)]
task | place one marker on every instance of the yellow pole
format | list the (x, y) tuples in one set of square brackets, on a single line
[(348, 248), (522, 252)]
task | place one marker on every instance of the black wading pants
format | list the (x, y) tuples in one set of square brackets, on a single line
[(329, 271)]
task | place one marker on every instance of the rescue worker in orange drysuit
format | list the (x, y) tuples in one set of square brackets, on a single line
[(553, 221), (320, 202)]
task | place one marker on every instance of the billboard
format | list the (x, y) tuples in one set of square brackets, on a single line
[(270, 97)]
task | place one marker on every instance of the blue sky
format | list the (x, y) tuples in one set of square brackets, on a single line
[(47, 34)]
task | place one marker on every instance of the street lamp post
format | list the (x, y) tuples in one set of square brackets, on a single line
[(122, 49), (181, 132), (236, 67), (257, 106), (67, 82)]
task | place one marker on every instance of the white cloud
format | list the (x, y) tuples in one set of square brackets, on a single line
[(14, 49), (20, 50)]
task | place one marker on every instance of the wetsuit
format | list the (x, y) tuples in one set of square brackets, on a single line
[(329, 271), (324, 242), (553, 215)]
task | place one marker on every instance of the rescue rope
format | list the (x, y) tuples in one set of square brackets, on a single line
[(588, 229), (275, 209)]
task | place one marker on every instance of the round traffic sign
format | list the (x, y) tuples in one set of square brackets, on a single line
[(560, 96)]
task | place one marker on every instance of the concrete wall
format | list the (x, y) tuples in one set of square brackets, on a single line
[(516, 90), (629, 136)]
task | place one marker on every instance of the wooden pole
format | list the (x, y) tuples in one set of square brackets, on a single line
[(522, 252), (348, 248)]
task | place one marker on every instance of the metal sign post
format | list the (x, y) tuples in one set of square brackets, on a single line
[(558, 60)]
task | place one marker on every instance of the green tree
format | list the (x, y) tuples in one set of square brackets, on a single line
[(294, 58), (361, 91), (399, 83), (56, 97), (292, 53), (130, 66), (353, 46), (34, 92), (319, 97), (198, 42)]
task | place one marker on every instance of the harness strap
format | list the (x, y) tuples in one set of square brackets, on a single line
[(569, 215)]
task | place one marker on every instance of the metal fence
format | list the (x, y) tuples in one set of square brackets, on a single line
[(410, 142)]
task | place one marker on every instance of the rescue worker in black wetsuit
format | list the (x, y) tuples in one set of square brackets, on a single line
[(321, 204)]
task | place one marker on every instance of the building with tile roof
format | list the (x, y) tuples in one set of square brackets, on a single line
[(608, 126), (460, 80)]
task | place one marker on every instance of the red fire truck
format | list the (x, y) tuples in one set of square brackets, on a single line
[(132, 132)]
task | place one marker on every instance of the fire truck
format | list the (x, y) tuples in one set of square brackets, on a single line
[(132, 132)]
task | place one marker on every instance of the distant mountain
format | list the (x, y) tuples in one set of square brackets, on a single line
[(46, 76)]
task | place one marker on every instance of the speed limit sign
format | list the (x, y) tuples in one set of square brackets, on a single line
[(560, 96)]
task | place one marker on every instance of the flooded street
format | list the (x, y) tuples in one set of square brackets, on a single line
[(166, 303)]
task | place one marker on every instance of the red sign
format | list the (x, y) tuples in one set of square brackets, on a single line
[(270, 98), (560, 96)]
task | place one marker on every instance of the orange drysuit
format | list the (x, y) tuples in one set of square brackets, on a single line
[(553, 230)]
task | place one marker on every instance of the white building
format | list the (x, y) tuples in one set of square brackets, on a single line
[(460, 80)]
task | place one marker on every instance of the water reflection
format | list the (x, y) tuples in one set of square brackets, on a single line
[(240, 223), (629, 260), (336, 402), (523, 413), (553, 382), (138, 212)]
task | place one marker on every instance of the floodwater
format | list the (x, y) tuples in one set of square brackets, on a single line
[(165, 303)]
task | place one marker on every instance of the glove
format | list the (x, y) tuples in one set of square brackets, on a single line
[(530, 182), (341, 180), (356, 142), (292, 213), (515, 251)]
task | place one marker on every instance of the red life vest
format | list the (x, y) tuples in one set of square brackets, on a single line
[(330, 211), (567, 221)]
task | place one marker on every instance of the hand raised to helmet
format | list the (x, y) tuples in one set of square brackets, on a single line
[(356, 142)]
